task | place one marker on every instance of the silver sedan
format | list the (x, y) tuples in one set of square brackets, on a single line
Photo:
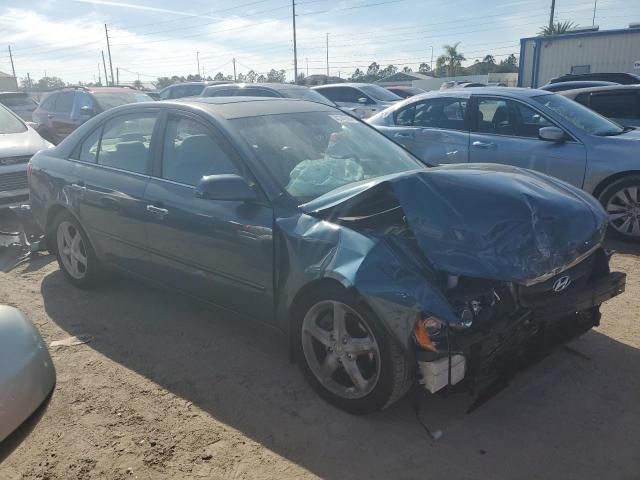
[(527, 128)]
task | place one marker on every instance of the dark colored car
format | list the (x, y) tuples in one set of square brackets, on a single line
[(615, 77), (62, 111), (620, 103), (186, 89), (377, 270), (19, 103), (405, 92), (562, 86), (269, 90)]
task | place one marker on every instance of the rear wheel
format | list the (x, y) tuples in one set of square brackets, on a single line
[(75, 254), (346, 355), (621, 200)]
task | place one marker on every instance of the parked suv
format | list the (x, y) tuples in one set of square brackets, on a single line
[(62, 111), (362, 99), (620, 103), (617, 77), (186, 89), (19, 103), (272, 90)]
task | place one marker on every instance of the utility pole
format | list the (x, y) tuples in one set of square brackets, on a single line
[(198, 61), (327, 56), (307, 60), (99, 76), (117, 75), (106, 32), (234, 70), (13, 69), (553, 13), (431, 65), (29, 86), (295, 46), (104, 64), (595, 5)]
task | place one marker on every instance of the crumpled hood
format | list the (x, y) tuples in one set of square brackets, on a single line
[(489, 221)]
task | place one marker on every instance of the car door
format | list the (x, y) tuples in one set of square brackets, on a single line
[(221, 251), (62, 123), (347, 98), (621, 106), (505, 131), (112, 172), (434, 130)]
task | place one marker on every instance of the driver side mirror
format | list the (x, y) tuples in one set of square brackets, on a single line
[(87, 111), (552, 134), (362, 100), (225, 187)]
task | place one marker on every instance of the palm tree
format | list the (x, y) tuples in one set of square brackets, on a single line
[(556, 28), (452, 58)]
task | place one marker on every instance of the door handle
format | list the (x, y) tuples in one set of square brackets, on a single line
[(157, 211), (49, 115), (485, 145), (80, 186), (402, 135)]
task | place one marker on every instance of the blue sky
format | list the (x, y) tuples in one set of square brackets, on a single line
[(152, 38)]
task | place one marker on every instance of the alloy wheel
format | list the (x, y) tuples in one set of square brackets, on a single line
[(624, 211), (72, 250), (340, 349)]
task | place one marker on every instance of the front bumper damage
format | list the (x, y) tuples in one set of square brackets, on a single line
[(490, 354)]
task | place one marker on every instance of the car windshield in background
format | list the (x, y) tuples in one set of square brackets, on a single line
[(9, 123), (579, 115), (313, 153), (109, 100), (307, 94), (379, 93), (18, 101)]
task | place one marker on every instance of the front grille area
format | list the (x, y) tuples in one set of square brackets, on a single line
[(14, 160), (13, 181)]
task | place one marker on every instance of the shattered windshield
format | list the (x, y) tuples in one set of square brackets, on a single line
[(313, 153)]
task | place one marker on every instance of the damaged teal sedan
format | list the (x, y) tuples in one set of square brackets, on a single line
[(381, 273)]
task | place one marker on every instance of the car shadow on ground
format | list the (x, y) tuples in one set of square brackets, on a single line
[(570, 416)]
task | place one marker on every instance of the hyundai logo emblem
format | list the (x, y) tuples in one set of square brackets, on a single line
[(561, 283)]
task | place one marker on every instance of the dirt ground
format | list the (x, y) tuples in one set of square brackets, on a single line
[(170, 389)]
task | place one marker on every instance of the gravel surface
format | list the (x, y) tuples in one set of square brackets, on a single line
[(167, 388)]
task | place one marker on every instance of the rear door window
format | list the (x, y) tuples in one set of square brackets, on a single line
[(508, 117), (126, 141), (64, 102), (88, 150), (191, 151), (443, 113), (48, 102), (616, 105)]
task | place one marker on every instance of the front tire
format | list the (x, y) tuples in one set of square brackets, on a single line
[(346, 355), (74, 252), (621, 200)]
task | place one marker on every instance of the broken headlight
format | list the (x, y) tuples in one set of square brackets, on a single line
[(427, 327)]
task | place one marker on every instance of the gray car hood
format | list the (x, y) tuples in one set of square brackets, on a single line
[(23, 143), (486, 221)]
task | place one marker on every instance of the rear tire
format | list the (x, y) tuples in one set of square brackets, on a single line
[(357, 367), (74, 252), (621, 200)]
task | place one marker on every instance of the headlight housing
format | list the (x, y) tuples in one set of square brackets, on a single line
[(426, 327)]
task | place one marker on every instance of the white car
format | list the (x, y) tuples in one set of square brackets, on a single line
[(361, 99), (18, 143)]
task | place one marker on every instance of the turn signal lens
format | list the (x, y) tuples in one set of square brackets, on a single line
[(424, 328)]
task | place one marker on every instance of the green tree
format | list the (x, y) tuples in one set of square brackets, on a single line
[(48, 83), (251, 76), (162, 82), (556, 28), (219, 76), (242, 78), (27, 83), (452, 59), (424, 68), (407, 70), (261, 79), (489, 59), (276, 76), (137, 84), (357, 76)]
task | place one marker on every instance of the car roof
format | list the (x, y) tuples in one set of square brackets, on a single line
[(346, 84), (514, 92), (9, 94), (273, 86), (238, 107), (607, 88)]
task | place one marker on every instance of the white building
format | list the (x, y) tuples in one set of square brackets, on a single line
[(543, 58)]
